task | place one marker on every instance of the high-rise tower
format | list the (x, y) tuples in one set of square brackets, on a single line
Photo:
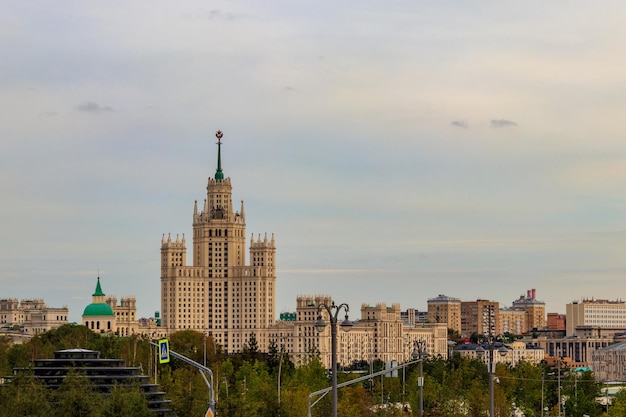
[(219, 294)]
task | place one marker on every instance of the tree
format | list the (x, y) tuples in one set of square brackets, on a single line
[(581, 391), (77, 397), (618, 404), (25, 397), (126, 402)]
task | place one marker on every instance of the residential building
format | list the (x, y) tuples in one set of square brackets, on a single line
[(512, 353), (444, 309), (125, 315), (30, 316), (379, 334), (513, 321), (535, 310), (604, 317), (480, 317), (219, 294), (556, 321)]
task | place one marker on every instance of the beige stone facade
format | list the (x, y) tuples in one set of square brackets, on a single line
[(607, 317), (125, 315), (219, 294), (444, 309), (30, 316), (224, 297), (535, 311), (513, 321), (379, 334), (515, 353)]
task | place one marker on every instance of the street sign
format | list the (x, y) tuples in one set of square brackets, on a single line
[(164, 351)]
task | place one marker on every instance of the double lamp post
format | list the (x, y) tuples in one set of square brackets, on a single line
[(333, 310), (333, 313), (491, 348)]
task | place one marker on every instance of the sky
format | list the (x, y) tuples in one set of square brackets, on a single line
[(398, 150)]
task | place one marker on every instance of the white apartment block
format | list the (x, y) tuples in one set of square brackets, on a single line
[(30, 316), (608, 317)]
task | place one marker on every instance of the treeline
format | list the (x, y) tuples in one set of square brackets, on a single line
[(247, 384)]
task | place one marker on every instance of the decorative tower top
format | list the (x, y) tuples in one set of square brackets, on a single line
[(219, 175), (98, 292)]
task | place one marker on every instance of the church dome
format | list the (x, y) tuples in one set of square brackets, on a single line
[(98, 310), (98, 306)]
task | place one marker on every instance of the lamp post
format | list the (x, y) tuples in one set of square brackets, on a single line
[(491, 364), (420, 352), (333, 312)]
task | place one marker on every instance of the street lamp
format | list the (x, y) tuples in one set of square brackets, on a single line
[(333, 311), (492, 369), (420, 352)]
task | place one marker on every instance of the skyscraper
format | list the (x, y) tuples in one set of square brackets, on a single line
[(219, 295)]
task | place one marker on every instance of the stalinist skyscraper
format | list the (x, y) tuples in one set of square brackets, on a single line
[(219, 294)]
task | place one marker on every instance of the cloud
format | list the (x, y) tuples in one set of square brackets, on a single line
[(502, 123), (91, 107), (459, 123), (218, 14)]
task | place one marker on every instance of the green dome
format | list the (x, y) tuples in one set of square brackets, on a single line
[(98, 310)]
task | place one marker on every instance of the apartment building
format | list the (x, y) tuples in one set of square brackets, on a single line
[(219, 294), (444, 309), (30, 316), (480, 317), (535, 310), (599, 316), (378, 333)]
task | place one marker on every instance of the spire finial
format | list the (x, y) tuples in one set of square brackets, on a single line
[(219, 175)]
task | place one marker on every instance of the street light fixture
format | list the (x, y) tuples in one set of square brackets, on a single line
[(420, 353), (333, 312), (492, 368)]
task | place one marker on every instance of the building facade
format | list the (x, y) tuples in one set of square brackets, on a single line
[(480, 317), (556, 321), (444, 309), (512, 354), (379, 334), (604, 317), (535, 311), (513, 321), (125, 315), (30, 316), (219, 295), (105, 315), (609, 363)]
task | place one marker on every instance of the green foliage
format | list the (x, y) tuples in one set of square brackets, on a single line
[(24, 397), (77, 397), (126, 402), (247, 383)]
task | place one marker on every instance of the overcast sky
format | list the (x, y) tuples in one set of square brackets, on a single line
[(397, 149)]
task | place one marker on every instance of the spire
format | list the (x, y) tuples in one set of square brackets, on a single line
[(243, 213), (98, 291), (195, 208), (219, 175)]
